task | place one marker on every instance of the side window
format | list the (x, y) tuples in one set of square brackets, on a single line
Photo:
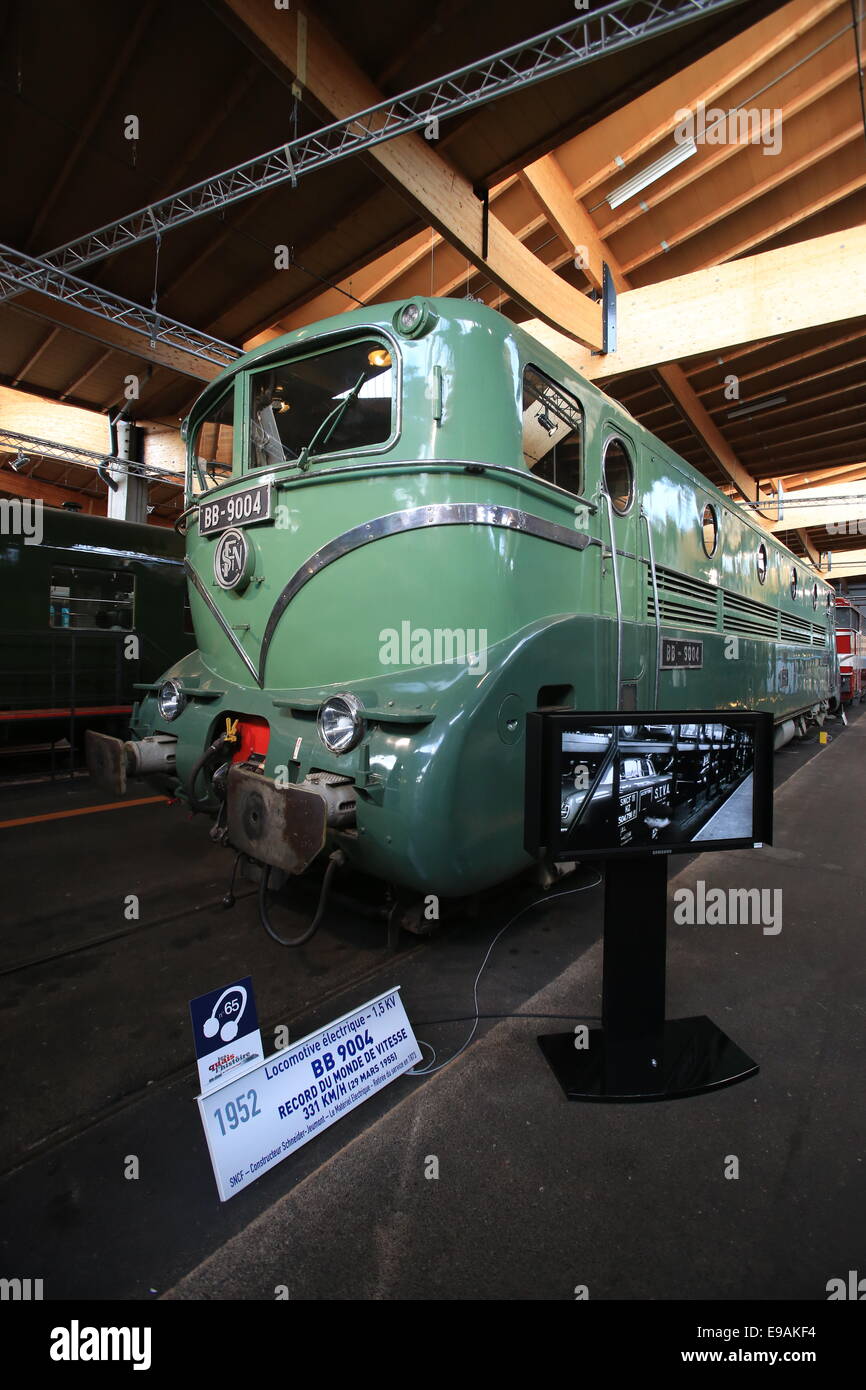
[(211, 446), (94, 600), (618, 474), (552, 432)]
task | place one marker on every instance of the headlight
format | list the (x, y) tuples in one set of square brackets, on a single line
[(341, 723), (415, 318), (170, 700)]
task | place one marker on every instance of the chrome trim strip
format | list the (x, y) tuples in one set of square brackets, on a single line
[(202, 591), (520, 475), (413, 519)]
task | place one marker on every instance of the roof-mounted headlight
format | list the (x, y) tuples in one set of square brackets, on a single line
[(414, 318), (341, 723), (170, 700)]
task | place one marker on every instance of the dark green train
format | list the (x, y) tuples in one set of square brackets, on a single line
[(407, 527), (89, 607)]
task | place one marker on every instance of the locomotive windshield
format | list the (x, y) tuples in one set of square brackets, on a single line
[(331, 403)]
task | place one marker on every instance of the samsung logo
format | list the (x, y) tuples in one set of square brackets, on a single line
[(77, 1343)]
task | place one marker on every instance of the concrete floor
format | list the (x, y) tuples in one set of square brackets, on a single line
[(535, 1195)]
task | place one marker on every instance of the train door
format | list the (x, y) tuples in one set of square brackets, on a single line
[(623, 571)]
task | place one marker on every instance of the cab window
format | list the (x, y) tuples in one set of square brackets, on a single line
[(212, 445), (552, 432), (334, 402)]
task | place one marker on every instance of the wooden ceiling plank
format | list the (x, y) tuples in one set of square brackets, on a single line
[(35, 355), (114, 335), (817, 350), (711, 156), (432, 186), (634, 129), (79, 380), (717, 211), (112, 79)]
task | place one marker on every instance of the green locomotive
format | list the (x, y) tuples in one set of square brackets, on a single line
[(410, 525)]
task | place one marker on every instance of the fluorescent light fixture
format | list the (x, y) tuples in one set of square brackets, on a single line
[(677, 154), (756, 406)]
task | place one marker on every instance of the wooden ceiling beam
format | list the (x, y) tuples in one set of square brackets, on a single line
[(575, 229), (25, 485), (432, 186), (823, 512), (810, 550), (374, 281), (102, 95), (844, 564), (817, 465), (566, 214), (852, 473), (806, 285)]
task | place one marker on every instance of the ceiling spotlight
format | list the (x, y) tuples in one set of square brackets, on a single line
[(677, 154), (19, 462)]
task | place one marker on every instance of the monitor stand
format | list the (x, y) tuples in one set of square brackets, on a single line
[(636, 1054)]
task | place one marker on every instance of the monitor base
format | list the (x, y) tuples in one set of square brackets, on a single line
[(689, 1057)]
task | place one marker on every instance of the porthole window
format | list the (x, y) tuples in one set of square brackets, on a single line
[(815, 597), (762, 562), (710, 529), (618, 476), (794, 581)]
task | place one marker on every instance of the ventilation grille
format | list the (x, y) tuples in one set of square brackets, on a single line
[(683, 601), (796, 629), (688, 602), (745, 617)]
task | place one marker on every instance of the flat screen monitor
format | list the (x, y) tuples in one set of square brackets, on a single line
[(647, 783)]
